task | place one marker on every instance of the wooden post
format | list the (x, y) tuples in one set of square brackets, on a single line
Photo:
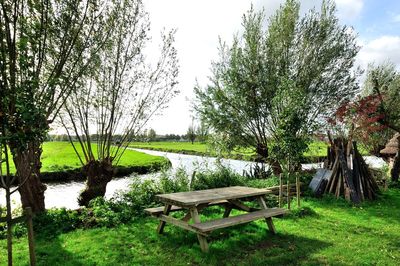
[(288, 193), (202, 239), (31, 242), (280, 191), (9, 226), (192, 180), (385, 185), (298, 190), (269, 221)]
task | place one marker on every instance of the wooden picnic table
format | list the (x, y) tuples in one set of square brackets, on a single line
[(193, 202)]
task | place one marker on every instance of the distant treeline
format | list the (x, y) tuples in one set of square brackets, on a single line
[(117, 138)]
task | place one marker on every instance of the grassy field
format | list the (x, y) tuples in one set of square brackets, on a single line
[(60, 156), (333, 233), (316, 148)]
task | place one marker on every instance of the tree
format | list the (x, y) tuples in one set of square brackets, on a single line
[(191, 134), (383, 85), (120, 97), (151, 135), (309, 58), (46, 47), (202, 132)]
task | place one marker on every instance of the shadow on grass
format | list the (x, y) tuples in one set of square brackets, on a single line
[(52, 251), (249, 244)]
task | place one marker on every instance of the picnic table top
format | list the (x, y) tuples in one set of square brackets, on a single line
[(192, 198)]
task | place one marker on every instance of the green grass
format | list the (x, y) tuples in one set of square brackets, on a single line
[(60, 156), (337, 234), (316, 149)]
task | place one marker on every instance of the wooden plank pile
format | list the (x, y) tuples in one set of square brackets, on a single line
[(350, 176)]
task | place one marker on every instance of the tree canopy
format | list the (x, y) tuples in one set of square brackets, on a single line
[(284, 78)]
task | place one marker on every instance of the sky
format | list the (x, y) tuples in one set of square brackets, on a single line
[(200, 24)]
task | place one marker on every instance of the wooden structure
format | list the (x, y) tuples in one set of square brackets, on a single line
[(350, 176), (193, 202), (26, 217), (391, 147)]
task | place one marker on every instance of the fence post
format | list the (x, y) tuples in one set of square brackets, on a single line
[(288, 192), (32, 256), (280, 191), (298, 190)]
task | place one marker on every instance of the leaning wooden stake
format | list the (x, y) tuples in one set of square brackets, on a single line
[(32, 256), (280, 191), (298, 190), (288, 193)]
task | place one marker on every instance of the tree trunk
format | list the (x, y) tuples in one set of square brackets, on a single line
[(27, 164), (262, 157), (98, 174), (276, 168)]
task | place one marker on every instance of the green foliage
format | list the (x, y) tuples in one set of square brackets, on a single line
[(384, 80), (280, 81), (179, 182), (221, 177)]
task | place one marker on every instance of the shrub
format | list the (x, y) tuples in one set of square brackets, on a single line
[(222, 177)]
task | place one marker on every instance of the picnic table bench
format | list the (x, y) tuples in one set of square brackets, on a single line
[(193, 202)]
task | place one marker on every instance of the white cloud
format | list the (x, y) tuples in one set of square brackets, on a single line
[(396, 18), (349, 10), (379, 50)]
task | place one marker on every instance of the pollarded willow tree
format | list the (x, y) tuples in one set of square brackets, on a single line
[(274, 85), (120, 98), (383, 84), (46, 46)]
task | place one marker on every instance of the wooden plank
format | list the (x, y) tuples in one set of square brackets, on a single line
[(161, 225), (193, 198), (177, 222), (239, 219), (240, 205), (160, 210)]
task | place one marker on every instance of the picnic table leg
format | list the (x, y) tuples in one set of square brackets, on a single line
[(269, 221), (202, 239), (161, 225), (227, 211)]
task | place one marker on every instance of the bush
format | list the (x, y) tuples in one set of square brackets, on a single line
[(55, 221), (124, 207), (222, 177)]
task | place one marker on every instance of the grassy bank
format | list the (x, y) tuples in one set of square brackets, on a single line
[(61, 157), (333, 233), (316, 150)]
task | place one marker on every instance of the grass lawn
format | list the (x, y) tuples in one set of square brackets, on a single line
[(316, 149), (60, 156), (337, 234)]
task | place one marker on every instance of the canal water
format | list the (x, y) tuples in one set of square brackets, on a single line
[(65, 194)]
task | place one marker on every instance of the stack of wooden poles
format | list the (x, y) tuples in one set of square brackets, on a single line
[(350, 177)]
